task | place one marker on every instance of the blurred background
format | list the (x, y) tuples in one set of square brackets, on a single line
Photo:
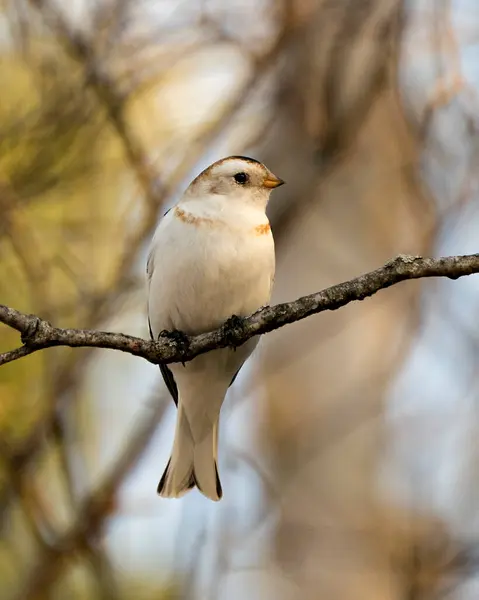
[(349, 447)]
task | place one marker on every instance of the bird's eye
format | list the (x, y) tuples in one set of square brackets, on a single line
[(241, 178)]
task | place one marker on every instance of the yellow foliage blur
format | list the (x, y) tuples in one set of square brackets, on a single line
[(61, 177)]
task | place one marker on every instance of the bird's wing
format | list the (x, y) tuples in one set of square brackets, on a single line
[(165, 371), (236, 375), (167, 374), (170, 383), (150, 265)]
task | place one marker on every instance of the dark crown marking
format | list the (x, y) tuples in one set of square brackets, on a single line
[(245, 158), (252, 161)]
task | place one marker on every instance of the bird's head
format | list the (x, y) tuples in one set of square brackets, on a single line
[(236, 179)]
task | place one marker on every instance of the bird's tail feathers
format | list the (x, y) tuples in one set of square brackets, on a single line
[(178, 477), (205, 469), (191, 464)]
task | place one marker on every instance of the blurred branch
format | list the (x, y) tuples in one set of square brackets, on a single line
[(94, 552), (33, 508), (38, 334), (79, 48), (93, 512)]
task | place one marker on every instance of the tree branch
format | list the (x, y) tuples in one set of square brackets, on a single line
[(38, 334)]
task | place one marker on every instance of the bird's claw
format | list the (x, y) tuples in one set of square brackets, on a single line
[(233, 331), (180, 340)]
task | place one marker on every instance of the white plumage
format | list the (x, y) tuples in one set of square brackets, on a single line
[(212, 257)]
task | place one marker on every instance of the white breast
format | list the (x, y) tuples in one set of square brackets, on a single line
[(206, 267)]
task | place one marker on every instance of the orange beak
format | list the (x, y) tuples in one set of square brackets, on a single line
[(272, 182)]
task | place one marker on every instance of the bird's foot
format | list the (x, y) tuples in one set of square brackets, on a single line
[(179, 339), (233, 331)]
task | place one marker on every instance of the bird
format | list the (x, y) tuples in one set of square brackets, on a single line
[(211, 258)]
